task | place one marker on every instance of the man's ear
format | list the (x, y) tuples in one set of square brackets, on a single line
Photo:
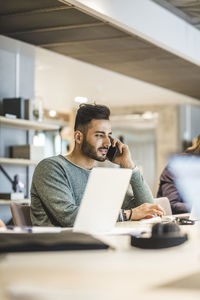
[(78, 136)]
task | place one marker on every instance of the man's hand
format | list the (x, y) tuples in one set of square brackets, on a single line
[(146, 211), (123, 157), (2, 223)]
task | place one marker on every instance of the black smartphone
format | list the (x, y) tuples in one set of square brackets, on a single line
[(112, 151)]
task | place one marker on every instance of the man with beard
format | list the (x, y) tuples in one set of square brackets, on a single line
[(59, 181)]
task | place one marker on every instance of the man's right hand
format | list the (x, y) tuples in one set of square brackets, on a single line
[(146, 211)]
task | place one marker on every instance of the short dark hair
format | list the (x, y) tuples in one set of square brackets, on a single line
[(87, 112)]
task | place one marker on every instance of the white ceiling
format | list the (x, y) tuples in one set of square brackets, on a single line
[(59, 79), (136, 38)]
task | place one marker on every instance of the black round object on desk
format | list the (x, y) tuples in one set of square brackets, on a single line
[(160, 229), (163, 236)]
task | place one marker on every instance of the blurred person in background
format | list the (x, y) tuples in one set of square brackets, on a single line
[(2, 223), (167, 186)]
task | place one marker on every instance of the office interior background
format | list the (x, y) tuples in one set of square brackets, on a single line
[(141, 58)]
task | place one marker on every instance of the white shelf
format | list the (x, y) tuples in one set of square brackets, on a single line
[(26, 124), (17, 161), (7, 202)]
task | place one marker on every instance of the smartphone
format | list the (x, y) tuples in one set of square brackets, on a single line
[(112, 151)]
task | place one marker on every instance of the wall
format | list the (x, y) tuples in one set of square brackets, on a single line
[(166, 133), (59, 79), (189, 122), (16, 80)]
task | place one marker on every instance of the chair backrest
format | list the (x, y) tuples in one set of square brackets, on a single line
[(165, 204), (20, 214)]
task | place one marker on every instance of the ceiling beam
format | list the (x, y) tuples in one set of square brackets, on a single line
[(37, 11), (174, 34), (178, 11), (83, 41), (57, 28)]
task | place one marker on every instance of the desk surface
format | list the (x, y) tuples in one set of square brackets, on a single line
[(126, 272)]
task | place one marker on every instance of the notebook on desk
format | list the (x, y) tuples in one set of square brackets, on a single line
[(102, 200)]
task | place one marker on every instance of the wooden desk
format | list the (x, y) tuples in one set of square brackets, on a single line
[(124, 273)]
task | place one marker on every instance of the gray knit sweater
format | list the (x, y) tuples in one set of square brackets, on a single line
[(57, 189)]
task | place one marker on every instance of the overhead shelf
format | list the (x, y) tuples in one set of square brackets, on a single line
[(26, 124), (17, 161)]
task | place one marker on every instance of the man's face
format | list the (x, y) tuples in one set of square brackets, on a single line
[(96, 141)]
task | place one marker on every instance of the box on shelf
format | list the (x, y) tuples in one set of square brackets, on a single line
[(28, 152), (12, 196), (18, 107)]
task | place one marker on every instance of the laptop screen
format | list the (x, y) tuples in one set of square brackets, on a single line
[(186, 169), (102, 200)]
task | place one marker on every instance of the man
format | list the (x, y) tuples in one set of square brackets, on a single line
[(2, 223), (59, 182)]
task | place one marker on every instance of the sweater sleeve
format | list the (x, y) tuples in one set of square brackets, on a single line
[(51, 185), (141, 192)]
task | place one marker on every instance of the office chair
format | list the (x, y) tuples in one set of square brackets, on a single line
[(20, 214), (165, 204)]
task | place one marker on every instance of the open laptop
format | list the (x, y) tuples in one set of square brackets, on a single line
[(102, 200), (186, 169)]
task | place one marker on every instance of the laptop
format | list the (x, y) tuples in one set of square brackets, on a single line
[(186, 169), (102, 200)]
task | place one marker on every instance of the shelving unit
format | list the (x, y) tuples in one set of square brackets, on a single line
[(17, 161), (7, 202), (26, 124)]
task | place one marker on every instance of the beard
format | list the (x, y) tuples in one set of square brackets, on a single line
[(90, 151)]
